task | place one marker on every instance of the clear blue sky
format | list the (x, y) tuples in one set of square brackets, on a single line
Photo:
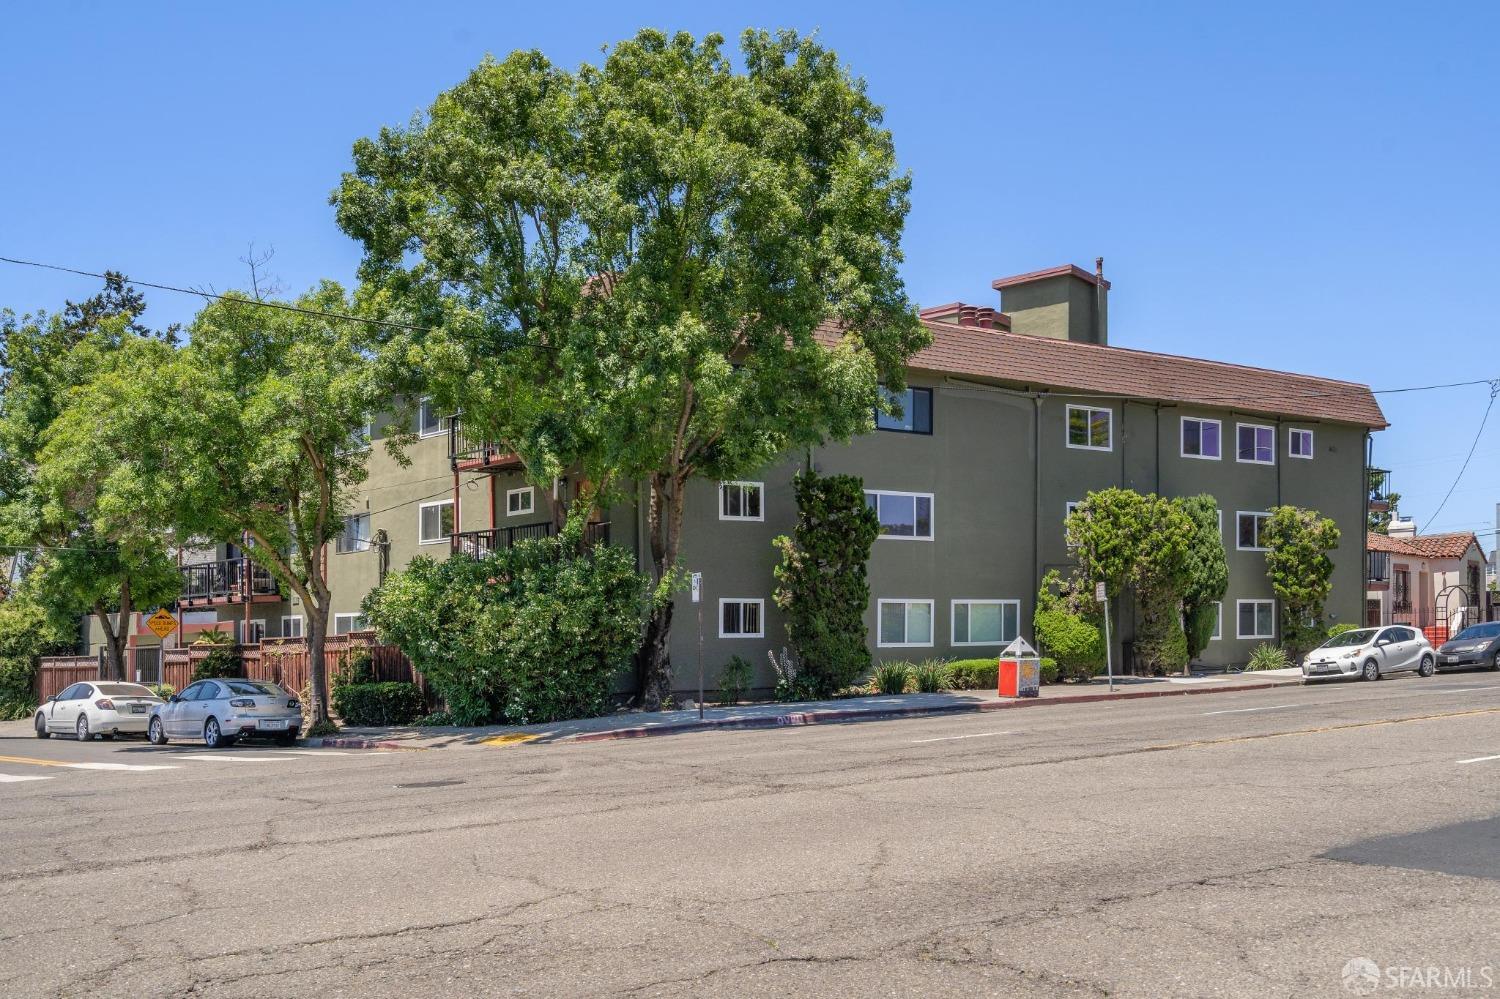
[(1300, 186)]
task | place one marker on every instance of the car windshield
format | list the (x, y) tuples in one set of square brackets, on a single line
[(250, 687), (123, 690), (1349, 639), (1479, 631)]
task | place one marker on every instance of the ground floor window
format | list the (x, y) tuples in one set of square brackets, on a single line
[(986, 622), (345, 623), (1218, 621), (1257, 619), (904, 623), (741, 618), (291, 626)]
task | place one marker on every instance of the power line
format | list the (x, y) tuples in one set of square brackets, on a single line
[(1494, 391)]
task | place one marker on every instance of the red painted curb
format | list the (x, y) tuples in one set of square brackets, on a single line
[(798, 718), (342, 742)]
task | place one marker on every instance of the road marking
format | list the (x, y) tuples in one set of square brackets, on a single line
[(32, 760), (118, 766), (950, 738), (512, 739), (315, 752), (1240, 711), (16, 779), (236, 758), (1480, 759)]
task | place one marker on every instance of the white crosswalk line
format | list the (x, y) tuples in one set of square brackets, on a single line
[(118, 766), (17, 778)]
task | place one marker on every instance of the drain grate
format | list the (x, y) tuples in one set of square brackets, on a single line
[(434, 783)]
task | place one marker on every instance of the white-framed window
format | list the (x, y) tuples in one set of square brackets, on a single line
[(742, 617), (1248, 527), (429, 422), (343, 624), (1069, 507), (434, 522), (359, 438), (985, 622), (520, 501), (903, 516), (1090, 429), (355, 537), (291, 626), (1256, 619), (1257, 444), (1299, 443), (742, 501), (1201, 438), (916, 411), (903, 623), (1218, 621), (255, 631)]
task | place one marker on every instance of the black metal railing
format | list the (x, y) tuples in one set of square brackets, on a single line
[(1378, 481), (234, 579), (1378, 567), (466, 450), (483, 542)]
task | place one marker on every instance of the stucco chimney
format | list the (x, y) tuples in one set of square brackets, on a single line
[(1065, 303)]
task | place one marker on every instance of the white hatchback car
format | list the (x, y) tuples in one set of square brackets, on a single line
[(1371, 653), (98, 707)]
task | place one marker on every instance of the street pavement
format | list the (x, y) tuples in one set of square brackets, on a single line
[(1258, 844)]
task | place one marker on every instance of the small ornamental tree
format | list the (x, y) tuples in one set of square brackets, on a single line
[(821, 581), (1207, 573), (1297, 545), (1067, 629)]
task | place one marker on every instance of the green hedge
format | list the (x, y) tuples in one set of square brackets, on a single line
[(975, 674), (388, 703), (219, 663)]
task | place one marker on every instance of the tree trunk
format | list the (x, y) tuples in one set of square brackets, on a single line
[(114, 648), (664, 525), (317, 677)]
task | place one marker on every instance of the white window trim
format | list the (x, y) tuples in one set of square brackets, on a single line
[(741, 483), (1220, 512), (253, 626), (971, 601), (425, 400), (1292, 432), (1182, 443), (301, 626), (1218, 622), (931, 515), (423, 508), (1068, 421), (368, 542), (1247, 513), (352, 617), (528, 491), (906, 625), (760, 617), (1069, 507), (1240, 603), (1257, 426)]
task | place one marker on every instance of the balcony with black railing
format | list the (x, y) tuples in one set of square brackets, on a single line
[(467, 453), (227, 581), (1378, 481), (484, 542), (1378, 567)]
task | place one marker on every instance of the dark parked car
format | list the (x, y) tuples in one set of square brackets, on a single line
[(1477, 645)]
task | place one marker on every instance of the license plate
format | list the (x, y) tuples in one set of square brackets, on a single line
[(138, 709), (1449, 659), (272, 723)]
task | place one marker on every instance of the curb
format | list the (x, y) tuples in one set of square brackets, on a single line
[(799, 718), (352, 742)]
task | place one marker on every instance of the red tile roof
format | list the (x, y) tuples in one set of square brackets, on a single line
[(1429, 546), (1046, 363)]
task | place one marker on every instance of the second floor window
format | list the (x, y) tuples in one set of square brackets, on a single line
[(1200, 438), (902, 515), (429, 422), (1090, 428), (1250, 527), (435, 522), (1299, 443), (1257, 444), (741, 501), (520, 501), (355, 536), (916, 411)]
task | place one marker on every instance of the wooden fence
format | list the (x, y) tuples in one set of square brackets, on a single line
[(279, 660)]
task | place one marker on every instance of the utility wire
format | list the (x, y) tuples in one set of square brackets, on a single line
[(1494, 391)]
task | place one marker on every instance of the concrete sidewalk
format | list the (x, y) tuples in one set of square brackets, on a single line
[(641, 724)]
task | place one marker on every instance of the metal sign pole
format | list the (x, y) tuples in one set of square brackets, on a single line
[(698, 599), (1109, 659)]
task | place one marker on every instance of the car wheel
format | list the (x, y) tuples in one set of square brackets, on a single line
[(212, 737), (1371, 670), (41, 726), (156, 734), (1426, 669), (1495, 662), (286, 739), (82, 729)]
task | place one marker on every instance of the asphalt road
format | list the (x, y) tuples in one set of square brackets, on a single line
[(1238, 845)]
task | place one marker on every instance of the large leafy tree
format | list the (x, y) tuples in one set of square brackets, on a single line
[(252, 431), (1297, 544), (647, 271), (1207, 572), (93, 556)]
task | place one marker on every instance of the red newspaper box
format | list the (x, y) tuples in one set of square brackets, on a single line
[(1020, 673)]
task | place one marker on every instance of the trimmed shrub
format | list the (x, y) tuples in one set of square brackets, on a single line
[(1066, 628), (220, 662), (1268, 656), (1340, 628), (1050, 672), (734, 680), (974, 674), (891, 678), (163, 690), (931, 676), (389, 703), (27, 633)]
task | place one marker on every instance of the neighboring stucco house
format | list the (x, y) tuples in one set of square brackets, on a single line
[(1012, 415), (1434, 582)]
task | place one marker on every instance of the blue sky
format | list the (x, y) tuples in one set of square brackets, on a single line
[(1300, 186)]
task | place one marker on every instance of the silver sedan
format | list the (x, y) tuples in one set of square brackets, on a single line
[(1371, 653), (221, 711)]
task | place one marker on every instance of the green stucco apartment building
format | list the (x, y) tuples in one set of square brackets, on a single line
[(1012, 414)]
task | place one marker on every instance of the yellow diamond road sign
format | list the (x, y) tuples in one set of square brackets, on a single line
[(162, 623)]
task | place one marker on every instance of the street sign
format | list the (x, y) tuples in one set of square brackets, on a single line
[(1099, 592), (162, 623), (697, 587)]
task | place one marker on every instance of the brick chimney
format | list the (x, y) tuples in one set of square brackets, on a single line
[(1065, 303)]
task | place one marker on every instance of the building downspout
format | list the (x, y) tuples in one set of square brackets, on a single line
[(1364, 555), (1036, 511)]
